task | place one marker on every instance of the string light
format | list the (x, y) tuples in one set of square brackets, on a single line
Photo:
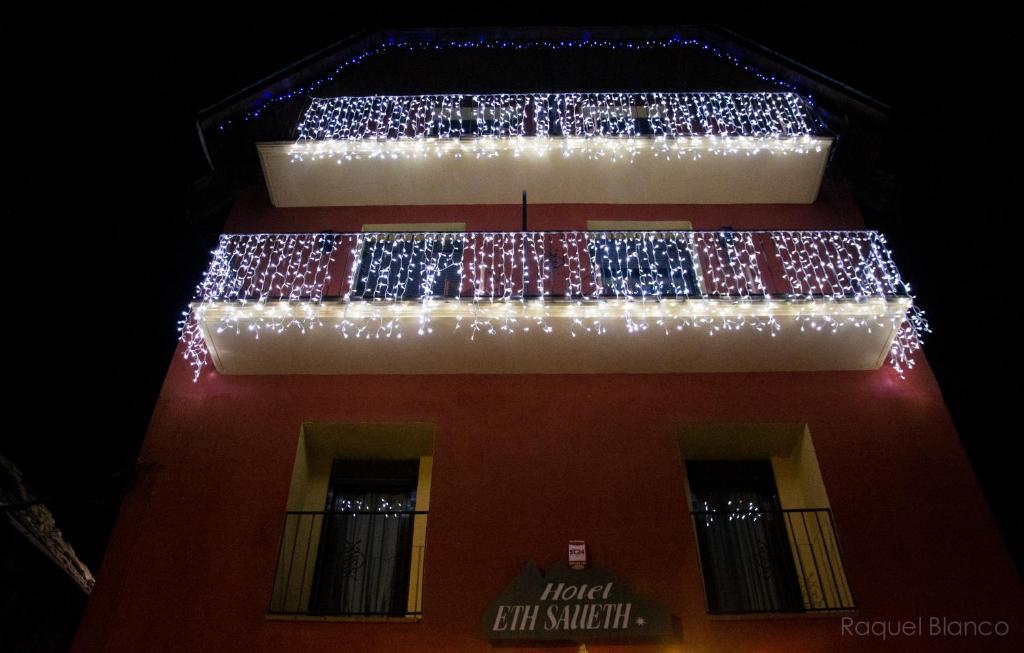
[(585, 43), (506, 282), (602, 125)]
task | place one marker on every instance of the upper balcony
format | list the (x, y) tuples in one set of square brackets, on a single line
[(598, 148), (551, 302)]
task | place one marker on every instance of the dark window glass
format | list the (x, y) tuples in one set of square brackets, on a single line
[(642, 266), (365, 546), (745, 553), (409, 266)]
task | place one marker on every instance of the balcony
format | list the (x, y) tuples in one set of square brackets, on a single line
[(771, 561), (551, 302), (603, 148), (356, 564)]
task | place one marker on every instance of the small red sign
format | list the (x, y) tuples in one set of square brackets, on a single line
[(577, 554)]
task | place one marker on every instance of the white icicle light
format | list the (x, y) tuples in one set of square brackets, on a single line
[(599, 125), (504, 282)]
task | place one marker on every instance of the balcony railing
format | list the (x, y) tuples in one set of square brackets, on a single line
[(503, 282), (760, 561), (350, 564), (357, 127)]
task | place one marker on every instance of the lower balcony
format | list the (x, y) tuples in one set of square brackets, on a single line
[(551, 302)]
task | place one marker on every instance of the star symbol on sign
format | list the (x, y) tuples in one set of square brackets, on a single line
[(640, 621)]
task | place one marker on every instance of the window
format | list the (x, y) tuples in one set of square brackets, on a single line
[(644, 265), (364, 554), (409, 264), (762, 521), (744, 550), (355, 528)]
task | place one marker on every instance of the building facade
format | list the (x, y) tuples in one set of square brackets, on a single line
[(610, 370)]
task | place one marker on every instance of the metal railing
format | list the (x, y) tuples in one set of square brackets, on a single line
[(757, 561), (759, 115), (574, 265), (350, 564)]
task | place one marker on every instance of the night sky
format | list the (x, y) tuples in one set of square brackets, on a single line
[(115, 220)]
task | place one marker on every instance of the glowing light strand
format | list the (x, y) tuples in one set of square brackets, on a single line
[(673, 42), (277, 282), (607, 125)]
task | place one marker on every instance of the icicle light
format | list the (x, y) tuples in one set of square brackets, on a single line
[(598, 125), (652, 280)]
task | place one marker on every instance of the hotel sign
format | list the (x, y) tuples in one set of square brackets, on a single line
[(588, 605)]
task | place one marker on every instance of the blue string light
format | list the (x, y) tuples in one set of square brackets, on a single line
[(584, 43)]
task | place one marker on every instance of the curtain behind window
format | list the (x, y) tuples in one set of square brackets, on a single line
[(745, 553), (365, 546)]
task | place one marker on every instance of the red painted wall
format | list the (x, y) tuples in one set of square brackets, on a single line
[(834, 209), (524, 463)]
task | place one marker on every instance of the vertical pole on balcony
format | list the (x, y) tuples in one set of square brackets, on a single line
[(523, 271), (524, 211)]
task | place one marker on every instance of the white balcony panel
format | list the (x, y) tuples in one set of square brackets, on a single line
[(742, 177), (448, 350)]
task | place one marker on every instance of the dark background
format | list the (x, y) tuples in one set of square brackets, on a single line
[(112, 212)]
